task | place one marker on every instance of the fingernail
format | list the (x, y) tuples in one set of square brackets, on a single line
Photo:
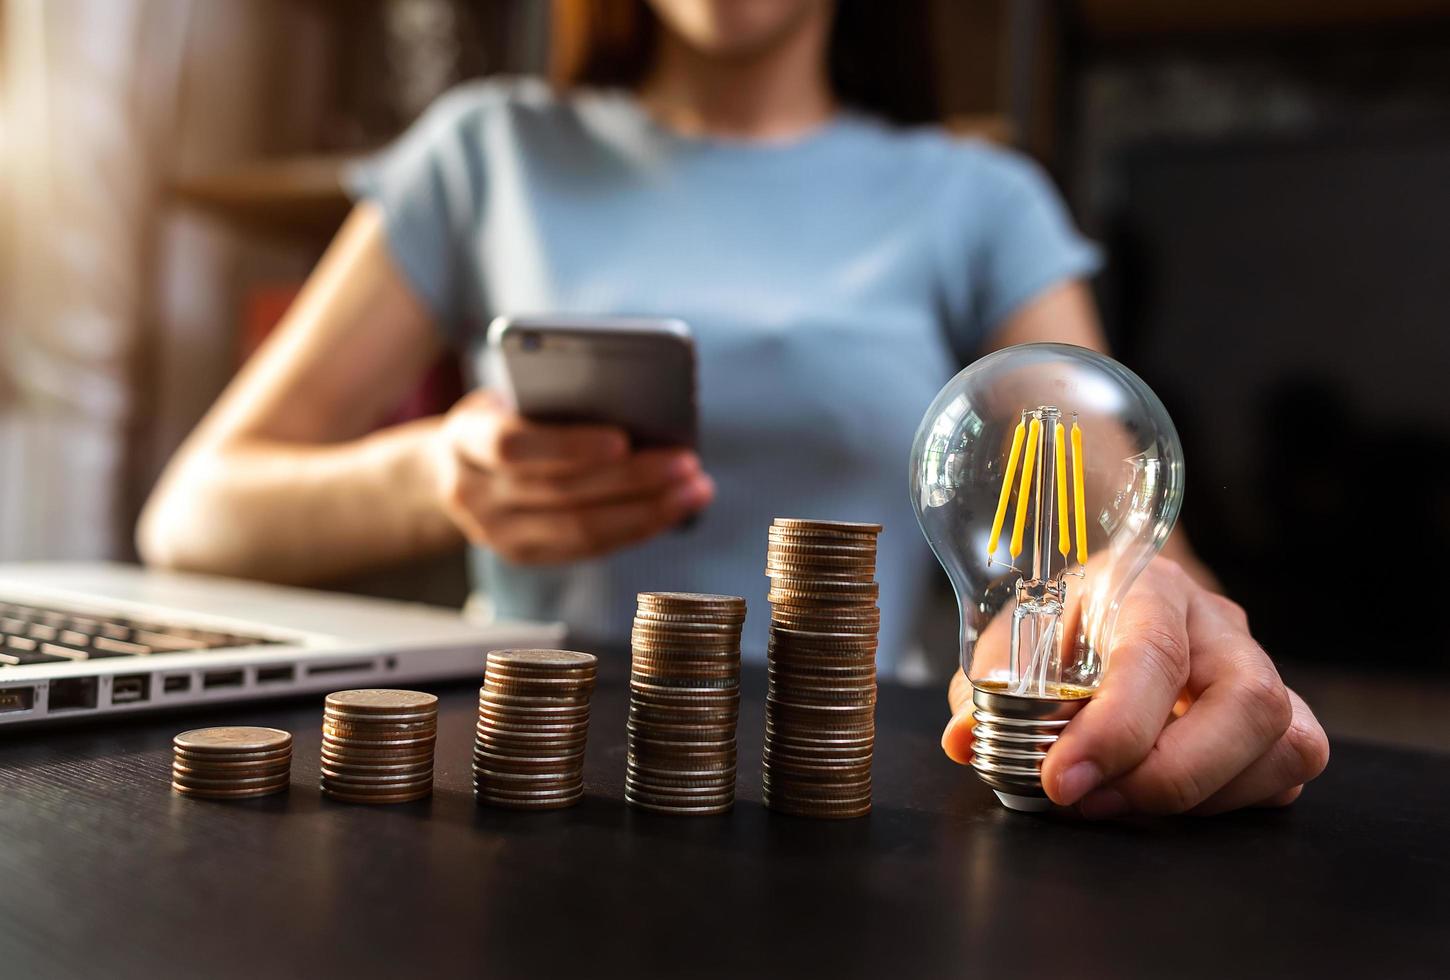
[(616, 445), (693, 495), (1103, 804), (683, 465), (1079, 780)]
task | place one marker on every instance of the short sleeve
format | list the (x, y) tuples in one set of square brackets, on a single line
[(429, 185), (1026, 243)]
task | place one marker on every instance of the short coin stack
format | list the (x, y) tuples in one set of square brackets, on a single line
[(684, 701), (377, 745), (820, 708), (533, 723), (231, 763)]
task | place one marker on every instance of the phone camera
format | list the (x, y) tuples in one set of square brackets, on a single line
[(531, 341)]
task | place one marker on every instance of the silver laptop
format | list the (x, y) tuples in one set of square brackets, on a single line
[(78, 640)]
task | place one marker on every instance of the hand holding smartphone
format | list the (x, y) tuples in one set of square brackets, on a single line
[(637, 374), (582, 447)]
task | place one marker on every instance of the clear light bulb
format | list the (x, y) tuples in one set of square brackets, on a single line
[(1045, 477)]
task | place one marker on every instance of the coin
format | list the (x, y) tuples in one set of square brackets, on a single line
[(231, 763), (684, 701), (833, 527), (237, 760), (378, 745), (228, 794), (380, 701), (821, 679), (546, 663), (533, 724), (230, 741), (344, 795)]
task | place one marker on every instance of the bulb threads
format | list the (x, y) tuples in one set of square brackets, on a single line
[(1011, 736)]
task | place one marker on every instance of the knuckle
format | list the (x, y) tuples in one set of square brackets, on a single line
[(1119, 739), (578, 530), (1164, 650), (1311, 749), (1175, 789), (1265, 701), (1169, 573), (510, 442), (1228, 609)]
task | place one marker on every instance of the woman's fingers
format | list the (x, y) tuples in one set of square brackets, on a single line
[(956, 740), (641, 474), (1240, 710), (547, 536), (490, 437), (1275, 779), (1117, 729)]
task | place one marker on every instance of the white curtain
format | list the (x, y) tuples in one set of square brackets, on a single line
[(117, 309)]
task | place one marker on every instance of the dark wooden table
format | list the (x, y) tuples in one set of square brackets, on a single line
[(105, 873)]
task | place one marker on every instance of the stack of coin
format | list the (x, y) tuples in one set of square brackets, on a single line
[(533, 722), (820, 708), (231, 763), (684, 700), (377, 745)]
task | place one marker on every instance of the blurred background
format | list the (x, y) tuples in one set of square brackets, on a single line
[(1271, 180)]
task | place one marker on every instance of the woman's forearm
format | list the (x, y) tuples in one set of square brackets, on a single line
[(300, 513)]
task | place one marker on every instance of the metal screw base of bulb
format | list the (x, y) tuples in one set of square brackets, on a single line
[(1010, 739)]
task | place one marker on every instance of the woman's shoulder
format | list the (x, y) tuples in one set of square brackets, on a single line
[(967, 164), (478, 102)]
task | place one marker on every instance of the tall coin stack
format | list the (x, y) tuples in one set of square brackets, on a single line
[(231, 763), (377, 745), (820, 708), (684, 701), (533, 722)]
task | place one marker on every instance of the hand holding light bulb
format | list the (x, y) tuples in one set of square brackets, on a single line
[(1046, 478), (1192, 717)]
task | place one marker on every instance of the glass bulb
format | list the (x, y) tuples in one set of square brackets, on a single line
[(1045, 477)]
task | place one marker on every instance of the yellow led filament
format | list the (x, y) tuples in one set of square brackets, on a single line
[(1012, 457), (1078, 508), (1024, 489), (1027, 457), (1064, 541)]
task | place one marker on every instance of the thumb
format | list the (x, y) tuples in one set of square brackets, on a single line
[(956, 741)]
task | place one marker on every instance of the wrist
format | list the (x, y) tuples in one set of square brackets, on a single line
[(415, 472)]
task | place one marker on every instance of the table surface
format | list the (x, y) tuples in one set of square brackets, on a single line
[(105, 872)]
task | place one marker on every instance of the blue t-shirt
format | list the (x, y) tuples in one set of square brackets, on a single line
[(833, 284)]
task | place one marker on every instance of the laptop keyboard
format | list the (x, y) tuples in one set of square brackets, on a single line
[(46, 635)]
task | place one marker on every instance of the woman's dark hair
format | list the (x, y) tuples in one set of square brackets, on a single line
[(881, 54)]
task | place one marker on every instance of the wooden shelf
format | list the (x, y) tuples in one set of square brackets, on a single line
[(296, 197), (1128, 18)]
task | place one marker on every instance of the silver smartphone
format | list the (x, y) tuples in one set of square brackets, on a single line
[(636, 373)]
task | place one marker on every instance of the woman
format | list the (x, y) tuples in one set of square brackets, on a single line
[(740, 173)]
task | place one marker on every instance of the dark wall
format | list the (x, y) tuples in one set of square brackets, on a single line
[(1280, 273)]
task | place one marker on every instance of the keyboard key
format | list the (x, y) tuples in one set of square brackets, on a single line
[(77, 635), (22, 658), (166, 642), (104, 646)]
